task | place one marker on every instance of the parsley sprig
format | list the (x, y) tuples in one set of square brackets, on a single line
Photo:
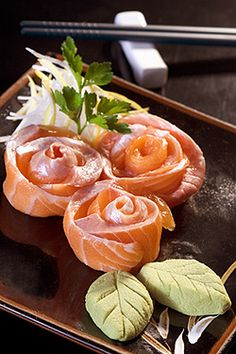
[(106, 112), (99, 110)]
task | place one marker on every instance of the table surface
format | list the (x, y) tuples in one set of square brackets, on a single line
[(203, 78)]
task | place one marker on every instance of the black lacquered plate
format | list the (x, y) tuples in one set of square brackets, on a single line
[(42, 281)]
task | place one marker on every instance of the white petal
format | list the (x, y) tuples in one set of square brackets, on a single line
[(196, 331), (179, 344)]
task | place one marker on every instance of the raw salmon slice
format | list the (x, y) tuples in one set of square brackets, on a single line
[(44, 168), (157, 158), (109, 228)]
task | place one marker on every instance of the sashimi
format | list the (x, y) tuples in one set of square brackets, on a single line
[(157, 158), (109, 228), (44, 168)]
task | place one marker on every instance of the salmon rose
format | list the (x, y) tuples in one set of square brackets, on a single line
[(109, 228), (156, 159), (45, 166)]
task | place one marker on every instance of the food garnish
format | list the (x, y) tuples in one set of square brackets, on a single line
[(163, 324), (119, 305), (69, 99), (98, 110), (186, 285), (179, 344), (195, 332), (112, 319)]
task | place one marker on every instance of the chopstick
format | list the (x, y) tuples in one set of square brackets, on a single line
[(115, 33), (163, 37), (111, 26)]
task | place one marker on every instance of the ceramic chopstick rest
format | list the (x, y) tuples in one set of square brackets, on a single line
[(149, 69)]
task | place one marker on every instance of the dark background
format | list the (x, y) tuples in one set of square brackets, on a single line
[(201, 77)]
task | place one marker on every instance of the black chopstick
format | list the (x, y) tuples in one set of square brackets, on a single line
[(146, 36), (111, 26)]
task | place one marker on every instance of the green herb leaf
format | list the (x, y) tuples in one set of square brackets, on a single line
[(109, 109), (60, 100), (90, 100), (185, 285), (113, 124), (69, 101), (99, 120), (69, 52), (98, 74), (72, 97), (119, 305), (113, 106), (106, 116)]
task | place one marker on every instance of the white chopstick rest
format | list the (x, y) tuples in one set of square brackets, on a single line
[(148, 67)]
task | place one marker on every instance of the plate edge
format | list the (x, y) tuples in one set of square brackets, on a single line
[(46, 322), (194, 113)]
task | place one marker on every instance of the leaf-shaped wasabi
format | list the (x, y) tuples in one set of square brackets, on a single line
[(186, 285), (119, 304)]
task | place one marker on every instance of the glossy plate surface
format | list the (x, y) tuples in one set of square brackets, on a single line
[(42, 281)]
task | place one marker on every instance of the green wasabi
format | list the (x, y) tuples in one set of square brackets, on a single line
[(185, 285), (119, 304)]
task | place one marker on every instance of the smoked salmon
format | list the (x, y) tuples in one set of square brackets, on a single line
[(44, 168), (110, 229), (157, 158)]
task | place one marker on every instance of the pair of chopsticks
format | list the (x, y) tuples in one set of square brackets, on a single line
[(191, 35)]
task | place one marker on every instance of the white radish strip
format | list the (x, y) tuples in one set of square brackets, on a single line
[(46, 57), (14, 117), (33, 87), (24, 98), (5, 138)]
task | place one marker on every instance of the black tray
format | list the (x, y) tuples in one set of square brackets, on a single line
[(42, 281)]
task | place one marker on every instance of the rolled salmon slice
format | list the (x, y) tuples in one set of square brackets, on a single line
[(109, 228), (157, 158), (45, 166)]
